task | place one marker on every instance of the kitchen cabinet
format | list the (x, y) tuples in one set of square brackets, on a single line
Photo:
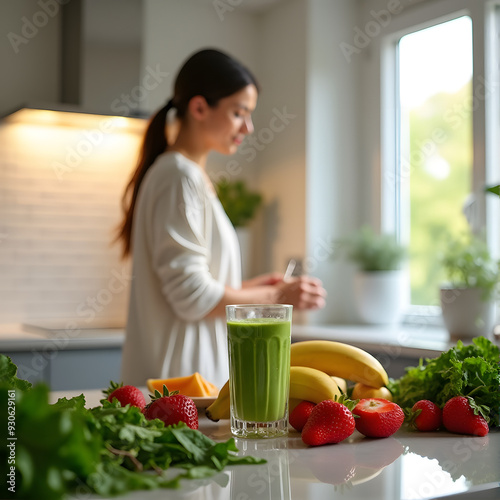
[(70, 369), (88, 360)]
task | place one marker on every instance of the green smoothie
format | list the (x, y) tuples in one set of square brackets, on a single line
[(259, 362)]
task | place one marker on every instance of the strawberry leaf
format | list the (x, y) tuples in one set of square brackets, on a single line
[(344, 400)]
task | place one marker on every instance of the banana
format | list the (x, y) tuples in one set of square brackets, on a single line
[(305, 384), (313, 385), (220, 407), (340, 360)]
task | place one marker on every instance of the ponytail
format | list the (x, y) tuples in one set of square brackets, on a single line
[(153, 145)]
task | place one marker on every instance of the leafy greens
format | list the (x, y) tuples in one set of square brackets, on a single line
[(464, 370), (108, 450)]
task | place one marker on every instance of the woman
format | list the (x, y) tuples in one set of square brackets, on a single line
[(186, 258)]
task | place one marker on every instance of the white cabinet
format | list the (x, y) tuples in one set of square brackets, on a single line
[(70, 369)]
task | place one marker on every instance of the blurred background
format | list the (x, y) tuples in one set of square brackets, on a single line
[(379, 112)]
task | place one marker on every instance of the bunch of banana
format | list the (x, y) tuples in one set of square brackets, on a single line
[(319, 370)]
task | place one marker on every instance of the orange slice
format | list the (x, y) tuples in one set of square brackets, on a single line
[(194, 385)]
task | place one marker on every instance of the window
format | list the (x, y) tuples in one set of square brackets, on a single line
[(439, 112)]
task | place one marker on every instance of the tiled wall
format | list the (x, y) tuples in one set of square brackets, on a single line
[(60, 190)]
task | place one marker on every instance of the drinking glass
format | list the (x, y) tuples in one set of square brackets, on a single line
[(259, 368)]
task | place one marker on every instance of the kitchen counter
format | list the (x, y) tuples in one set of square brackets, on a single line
[(417, 341), (53, 354), (405, 466), (31, 337)]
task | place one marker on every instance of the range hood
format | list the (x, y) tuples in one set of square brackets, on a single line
[(98, 45)]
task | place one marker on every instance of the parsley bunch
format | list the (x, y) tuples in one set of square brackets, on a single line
[(108, 450), (464, 370)]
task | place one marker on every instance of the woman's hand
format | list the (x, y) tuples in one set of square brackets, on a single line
[(303, 292)]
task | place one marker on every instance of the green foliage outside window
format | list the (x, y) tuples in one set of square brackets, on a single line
[(440, 129)]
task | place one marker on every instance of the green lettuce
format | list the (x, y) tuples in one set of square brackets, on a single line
[(464, 370)]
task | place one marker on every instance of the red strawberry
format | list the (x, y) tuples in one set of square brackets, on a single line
[(126, 395), (462, 416), (300, 414), (425, 416), (377, 417), (330, 422), (172, 408)]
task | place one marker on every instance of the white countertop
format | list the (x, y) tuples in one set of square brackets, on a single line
[(406, 466), (27, 337)]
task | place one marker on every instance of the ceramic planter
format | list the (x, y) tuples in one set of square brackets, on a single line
[(466, 314), (380, 296)]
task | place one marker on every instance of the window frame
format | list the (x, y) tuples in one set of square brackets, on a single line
[(485, 16)]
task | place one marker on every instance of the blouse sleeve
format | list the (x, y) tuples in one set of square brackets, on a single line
[(181, 247)]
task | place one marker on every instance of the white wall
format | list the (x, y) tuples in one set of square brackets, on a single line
[(334, 139), (29, 55), (173, 30), (281, 133)]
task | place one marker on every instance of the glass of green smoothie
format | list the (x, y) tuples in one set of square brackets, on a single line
[(259, 368)]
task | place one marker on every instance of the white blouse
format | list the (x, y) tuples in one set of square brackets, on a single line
[(185, 250)]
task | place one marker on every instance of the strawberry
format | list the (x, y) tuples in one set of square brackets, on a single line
[(425, 416), (125, 394), (330, 422), (300, 414), (377, 417), (172, 408), (463, 416)]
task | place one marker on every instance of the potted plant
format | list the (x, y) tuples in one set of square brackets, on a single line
[(379, 284), (240, 205), (468, 300)]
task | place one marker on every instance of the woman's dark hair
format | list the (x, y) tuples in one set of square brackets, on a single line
[(208, 73)]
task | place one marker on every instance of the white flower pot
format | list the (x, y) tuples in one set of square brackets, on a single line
[(466, 314), (380, 296)]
